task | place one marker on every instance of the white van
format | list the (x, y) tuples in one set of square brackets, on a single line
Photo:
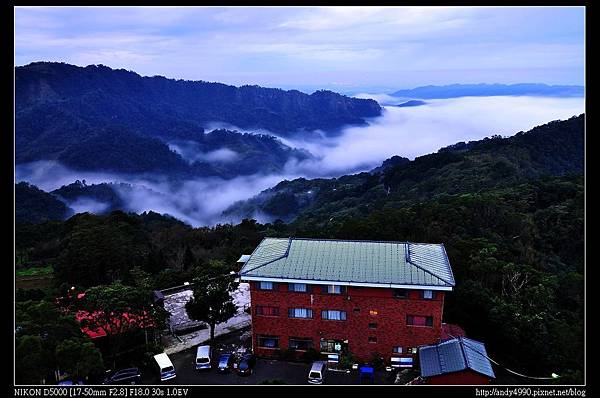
[(317, 372), (165, 367), (203, 357)]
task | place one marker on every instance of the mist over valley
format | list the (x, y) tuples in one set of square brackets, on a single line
[(170, 159)]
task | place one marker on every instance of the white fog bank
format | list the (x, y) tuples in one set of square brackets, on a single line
[(403, 131)]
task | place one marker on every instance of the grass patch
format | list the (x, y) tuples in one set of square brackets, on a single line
[(35, 271)]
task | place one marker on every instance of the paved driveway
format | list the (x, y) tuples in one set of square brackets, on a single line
[(288, 372), (266, 369)]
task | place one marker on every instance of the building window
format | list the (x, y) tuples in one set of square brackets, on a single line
[(372, 325), (357, 310), (372, 339), (397, 350), (301, 344), (373, 312), (412, 350), (268, 341), (266, 311), (266, 285), (300, 313), (333, 315), (428, 294), (297, 287), (400, 293), (334, 289), (415, 320)]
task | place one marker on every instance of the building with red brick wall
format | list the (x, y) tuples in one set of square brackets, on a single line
[(362, 297)]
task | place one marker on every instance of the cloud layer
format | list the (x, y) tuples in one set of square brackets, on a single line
[(407, 132)]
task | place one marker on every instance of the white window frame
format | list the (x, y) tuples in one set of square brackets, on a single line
[(262, 284), (334, 289), (428, 294), (338, 315), (292, 287), (307, 312)]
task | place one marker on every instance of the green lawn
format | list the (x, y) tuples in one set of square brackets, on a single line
[(34, 271)]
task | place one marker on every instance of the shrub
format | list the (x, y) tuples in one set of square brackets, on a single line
[(347, 360), (377, 361)]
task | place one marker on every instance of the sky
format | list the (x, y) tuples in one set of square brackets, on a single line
[(346, 49)]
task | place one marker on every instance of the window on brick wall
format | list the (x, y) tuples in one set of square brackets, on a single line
[(428, 294), (400, 293), (373, 312), (334, 289), (333, 315), (416, 320), (372, 339), (372, 325), (266, 285), (266, 311), (397, 349), (298, 287), (299, 343), (268, 341), (300, 313)]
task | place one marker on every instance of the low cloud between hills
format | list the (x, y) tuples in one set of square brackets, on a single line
[(408, 132)]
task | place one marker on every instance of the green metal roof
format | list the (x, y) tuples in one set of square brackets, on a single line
[(350, 261)]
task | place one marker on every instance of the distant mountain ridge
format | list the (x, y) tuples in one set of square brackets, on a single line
[(98, 118), (485, 90), (99, 93)]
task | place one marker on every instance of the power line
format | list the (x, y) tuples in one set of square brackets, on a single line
[(554, 375)]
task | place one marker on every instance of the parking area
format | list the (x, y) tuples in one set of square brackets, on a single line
[(282, 372)]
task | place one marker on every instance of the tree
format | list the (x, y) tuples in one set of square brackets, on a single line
[(117, 309), (79, 358), (32, 364), (100, 249), (212, 302)]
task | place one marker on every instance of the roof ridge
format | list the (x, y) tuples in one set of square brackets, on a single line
[(464, 354), (409, 260), (287, 251)]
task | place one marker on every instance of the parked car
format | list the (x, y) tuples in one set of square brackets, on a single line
[(124, 376), (246, 365), (203, 357), (317, 372), (226, 361), (164, 367)]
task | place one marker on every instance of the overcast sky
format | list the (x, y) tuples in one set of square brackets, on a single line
[(341, 48)]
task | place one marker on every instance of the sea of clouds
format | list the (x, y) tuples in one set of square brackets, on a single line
[(403, 131)]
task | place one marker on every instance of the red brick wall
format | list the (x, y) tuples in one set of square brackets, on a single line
[(464, 377), (391, 328)]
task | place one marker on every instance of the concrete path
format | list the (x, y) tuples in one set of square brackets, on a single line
[(175, 304)]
